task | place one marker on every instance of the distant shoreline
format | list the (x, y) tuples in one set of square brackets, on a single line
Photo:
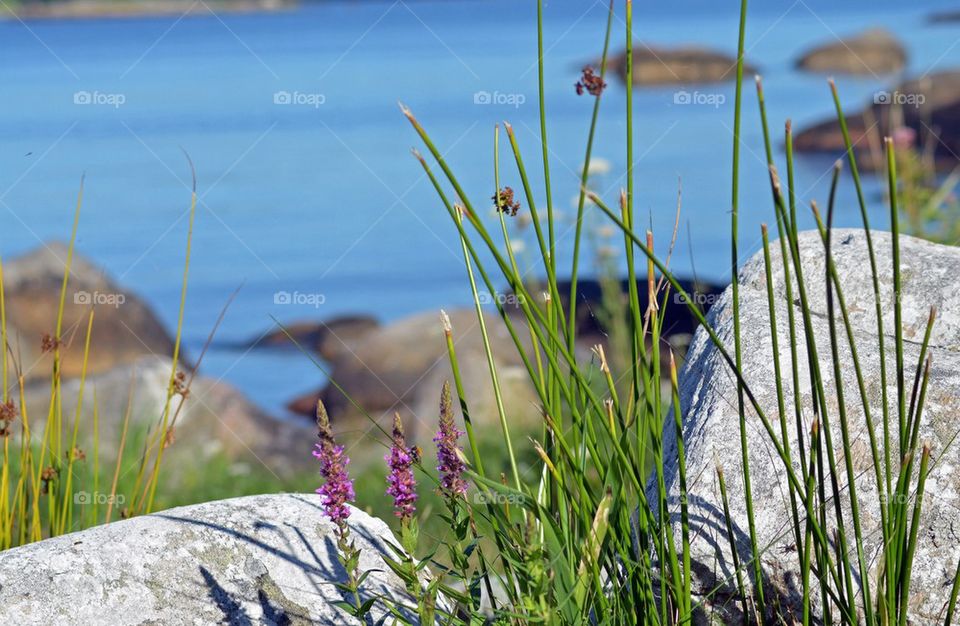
[(99, 9)]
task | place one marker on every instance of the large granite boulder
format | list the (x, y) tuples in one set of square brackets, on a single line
[(216, 419), (872, 52), (124, 327), (401, 367), (708, 393), (673, 66), (928, 106), (256, 560)]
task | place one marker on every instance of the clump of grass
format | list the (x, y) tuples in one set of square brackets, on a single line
[(49, 485), (592, 536)]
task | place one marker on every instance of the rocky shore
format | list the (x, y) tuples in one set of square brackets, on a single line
[(99, 9)]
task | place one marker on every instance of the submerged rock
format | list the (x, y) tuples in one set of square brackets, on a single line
[(944, 17), (708, 393), (592, 328), (875, 51), (124, 327), (328, 338), (256, 560), (672, 66)]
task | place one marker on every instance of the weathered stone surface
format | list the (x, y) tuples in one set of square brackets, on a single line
[(124, 327), (931, 277), (401, 366), (670, 66), (872, 52), (256, 560), (215, 418), (926, 106)]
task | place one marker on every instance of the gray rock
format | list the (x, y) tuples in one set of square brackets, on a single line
[(401, 367), (124, 328), (944, 17), (329, 338), (931, 277), (256, 560), (909, 110), (216, 418), (675, 66), (875, 51)]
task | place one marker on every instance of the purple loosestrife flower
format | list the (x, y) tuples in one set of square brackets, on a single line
[(449, 455), (337, 489), (401, 483)]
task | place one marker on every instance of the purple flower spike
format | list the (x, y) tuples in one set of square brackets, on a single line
[(401, 483), (449, 455), (337, 489)]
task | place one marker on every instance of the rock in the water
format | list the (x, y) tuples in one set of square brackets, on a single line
[(923, 106), (944, 17), (124, 327), (671, 66), (215, 419), (328, 338), (400, 367), (872, 52), (257, 560), (678, 320), (931, 277)]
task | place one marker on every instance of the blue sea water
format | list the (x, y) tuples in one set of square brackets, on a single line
[(304, 176)]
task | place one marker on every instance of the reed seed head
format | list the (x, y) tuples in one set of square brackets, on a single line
[(449, 455), (49, 343), (590, 82), (504, 202)]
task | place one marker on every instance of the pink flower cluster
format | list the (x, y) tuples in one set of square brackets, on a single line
[(401, 484), (337, 489)]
